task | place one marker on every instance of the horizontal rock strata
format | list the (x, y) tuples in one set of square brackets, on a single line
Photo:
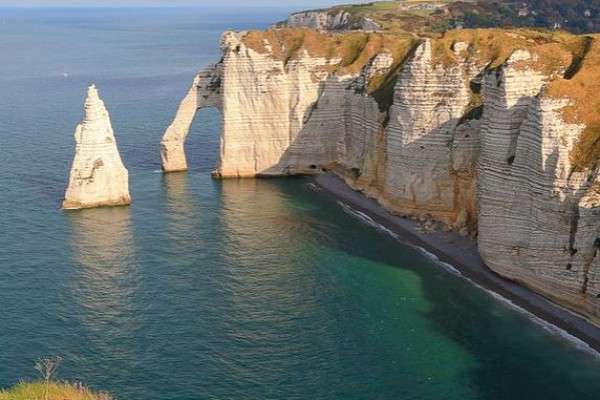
[(98, 176), (328, 20), (320, 20), (204, 92), (485, 131)]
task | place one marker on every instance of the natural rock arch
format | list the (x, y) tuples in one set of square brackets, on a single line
[(204, 92)]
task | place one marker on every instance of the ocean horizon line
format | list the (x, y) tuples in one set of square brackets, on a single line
[(166, 7)]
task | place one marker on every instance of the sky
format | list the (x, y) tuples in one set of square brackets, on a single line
[(301, 4)]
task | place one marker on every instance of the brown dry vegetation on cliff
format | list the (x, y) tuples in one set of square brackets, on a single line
[(492, 47), (400, 49), (349, 51), (572, 62), (583, 89)]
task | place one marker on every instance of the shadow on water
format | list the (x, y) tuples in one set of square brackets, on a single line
[(496, 352), (300, 303)]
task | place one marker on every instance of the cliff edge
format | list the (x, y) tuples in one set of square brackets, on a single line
[(493, 133)]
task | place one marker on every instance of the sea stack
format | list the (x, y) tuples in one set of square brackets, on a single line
[(98, 176)]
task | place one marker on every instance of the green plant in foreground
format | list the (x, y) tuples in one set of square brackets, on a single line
[(47, 389), (54, 391), (47, 366)]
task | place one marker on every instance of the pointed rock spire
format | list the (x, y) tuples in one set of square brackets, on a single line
[(98, 176)]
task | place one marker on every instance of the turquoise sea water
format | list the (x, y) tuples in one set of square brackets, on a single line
[(205, 289)]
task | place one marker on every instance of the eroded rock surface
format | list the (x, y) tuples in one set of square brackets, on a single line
[(98, 176), (204, 92), (475, 130)]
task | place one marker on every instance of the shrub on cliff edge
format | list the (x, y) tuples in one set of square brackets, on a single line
[(56, 391)]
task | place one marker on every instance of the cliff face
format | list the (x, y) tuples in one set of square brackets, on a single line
[(98, 176), (267, 105), (476, 130), (532, 202), (320, 20), (328, 20), (420, 179)]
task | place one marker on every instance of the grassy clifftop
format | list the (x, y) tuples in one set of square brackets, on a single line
[(349, 51), (580, 86), (430, 16), (571, 62), (56, 391)]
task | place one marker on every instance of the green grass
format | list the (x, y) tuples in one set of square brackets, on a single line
[(376, 7), (392, 15), (56, 391)]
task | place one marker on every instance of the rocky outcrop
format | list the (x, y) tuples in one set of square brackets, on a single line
[(429, 102), (266, 104), (462, 130), (586, 263), (368, 24), (328, 20), (281, 115), (536, 224), (318, 19), (98, 176)]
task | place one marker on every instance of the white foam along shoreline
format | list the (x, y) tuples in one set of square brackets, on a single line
[(552, 329), (465, 262)]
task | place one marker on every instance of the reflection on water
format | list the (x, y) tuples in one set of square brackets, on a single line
[(180, 206), (251, 219), (182, 219), (104, 249), (176, 190), (268, 283), (260, 231), (294, 292)]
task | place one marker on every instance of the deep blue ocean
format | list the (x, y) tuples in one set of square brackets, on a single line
[(205, 289)]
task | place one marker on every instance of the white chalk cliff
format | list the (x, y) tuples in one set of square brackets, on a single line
[(328, 20), (446, 129), (98, 176), (204, 92)]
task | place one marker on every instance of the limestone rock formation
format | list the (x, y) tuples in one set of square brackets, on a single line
[(328, 20), (204, 92), (476, 129), (98, 176), (538, 216), (267, 106), (320, 20), (429, 102), (369, 24)]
